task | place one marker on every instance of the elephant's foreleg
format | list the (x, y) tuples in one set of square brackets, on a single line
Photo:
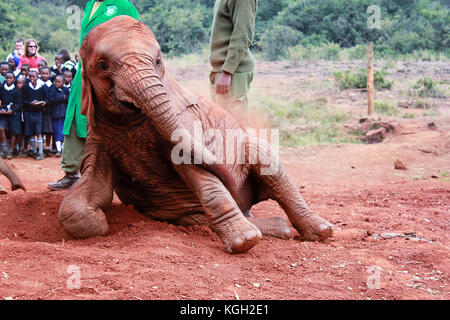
[(16, 183), (223, 214), (81, 212), (309, 225)]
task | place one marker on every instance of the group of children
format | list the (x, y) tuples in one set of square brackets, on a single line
[(33, 106)]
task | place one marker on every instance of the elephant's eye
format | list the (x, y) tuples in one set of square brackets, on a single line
[(102, 65), (158, 62)]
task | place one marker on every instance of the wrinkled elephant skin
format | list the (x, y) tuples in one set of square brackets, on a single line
[(12, 177), (134, 107)]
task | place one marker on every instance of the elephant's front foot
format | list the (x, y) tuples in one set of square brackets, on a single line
[(81, 222), (237, 234), (313, 228)]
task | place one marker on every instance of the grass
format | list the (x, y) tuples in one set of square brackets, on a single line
[(423, 104), (324, 134), (306, 123), (187, 60), (324, 51), (384, 107), (431, 113), (408, 116)]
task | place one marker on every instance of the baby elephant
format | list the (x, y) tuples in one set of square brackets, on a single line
[(158, 147)]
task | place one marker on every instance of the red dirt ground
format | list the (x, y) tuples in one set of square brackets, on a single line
[(353, 186)]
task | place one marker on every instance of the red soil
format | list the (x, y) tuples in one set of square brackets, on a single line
[(355, 187)]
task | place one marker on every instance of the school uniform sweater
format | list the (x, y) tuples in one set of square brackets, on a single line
[(47, 85), (57, 101), (30, 94), (10, 94)]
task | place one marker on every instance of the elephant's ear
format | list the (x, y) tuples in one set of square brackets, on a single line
[(180, 98), (87, 98)]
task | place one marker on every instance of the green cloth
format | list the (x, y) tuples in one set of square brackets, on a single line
[(107, 10), (232, 34)]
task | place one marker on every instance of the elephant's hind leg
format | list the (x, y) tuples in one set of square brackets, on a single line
[(272, 227), (309, 225), (223, 214), (194, 219)]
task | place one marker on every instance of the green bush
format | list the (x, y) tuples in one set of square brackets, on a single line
[(275, 41), (329, 51), (326, 51), (427, 87), (380, 81), (296, 54), (349, 80), (358, 52), (358, 80)]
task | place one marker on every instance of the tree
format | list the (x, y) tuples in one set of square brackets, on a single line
[(178, 28), (7, 29)]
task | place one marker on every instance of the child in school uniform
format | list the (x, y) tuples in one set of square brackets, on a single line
[(56, 69), (20, 83), (47, 122), (68, 78), (4, 116), (11, 100), (4, 68), (57, 99), (41, 64), (34, 97), (24, 71)]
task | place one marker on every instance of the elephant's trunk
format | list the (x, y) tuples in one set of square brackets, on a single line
[(12, 177), (153, 99), (155, 102)]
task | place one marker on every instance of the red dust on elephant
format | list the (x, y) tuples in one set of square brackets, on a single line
[(134, 108)]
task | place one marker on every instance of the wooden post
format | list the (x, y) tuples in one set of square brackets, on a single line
[(370, 86)]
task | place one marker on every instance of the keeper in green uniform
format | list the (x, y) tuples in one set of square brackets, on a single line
[(231, 60), (75, 124)]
